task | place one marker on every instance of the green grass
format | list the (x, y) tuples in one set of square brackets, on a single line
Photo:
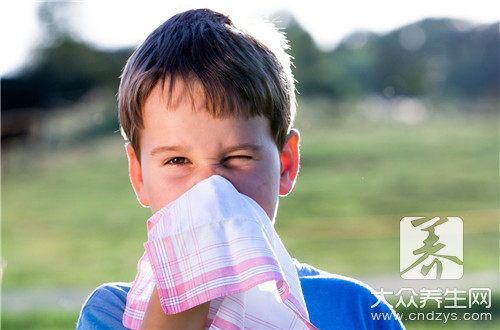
[(43, 319), (70, 217), (358, 181)]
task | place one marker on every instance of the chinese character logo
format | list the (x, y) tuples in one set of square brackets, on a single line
[(480, 296), (431, 248)]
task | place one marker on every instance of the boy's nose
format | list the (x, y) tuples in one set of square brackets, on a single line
[(210, 170)]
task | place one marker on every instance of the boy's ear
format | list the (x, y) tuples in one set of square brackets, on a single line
[(135, 173), (289, 162)]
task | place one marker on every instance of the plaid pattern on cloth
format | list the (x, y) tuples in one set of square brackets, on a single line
[(215, 244)]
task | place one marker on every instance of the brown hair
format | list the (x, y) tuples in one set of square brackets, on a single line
[(239, 74)]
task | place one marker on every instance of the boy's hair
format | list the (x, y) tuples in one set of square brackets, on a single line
[(239, 74)]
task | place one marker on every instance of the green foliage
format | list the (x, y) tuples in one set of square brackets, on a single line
[(314, 75), (63, 73), (433, 57)]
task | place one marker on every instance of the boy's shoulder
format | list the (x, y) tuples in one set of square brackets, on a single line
[(104, 308), (333, 301)]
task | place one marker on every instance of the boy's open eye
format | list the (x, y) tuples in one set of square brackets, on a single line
[(177, 161)]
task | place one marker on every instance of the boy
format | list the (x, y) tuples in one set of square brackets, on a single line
[(201, 98)]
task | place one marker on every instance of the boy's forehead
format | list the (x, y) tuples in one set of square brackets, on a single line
[(182, 126), (160, 116)]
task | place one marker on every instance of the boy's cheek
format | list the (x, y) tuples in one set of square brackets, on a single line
[(161, 190), (263, 192)]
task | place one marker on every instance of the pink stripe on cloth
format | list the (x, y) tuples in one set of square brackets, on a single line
[(215, 244)]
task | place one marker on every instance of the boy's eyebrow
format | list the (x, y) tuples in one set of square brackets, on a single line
[(161, 149), (177, 148), (245, 146)]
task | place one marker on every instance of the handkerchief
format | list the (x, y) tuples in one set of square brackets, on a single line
[(215, 244)]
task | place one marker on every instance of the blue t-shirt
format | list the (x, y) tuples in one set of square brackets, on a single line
[(333, 302)]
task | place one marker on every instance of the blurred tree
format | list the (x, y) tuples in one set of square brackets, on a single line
[(314, 72), (63, 71), (474, 61), (64, 68), (400, 66), (433, 57), (438, 57), (355, 60)]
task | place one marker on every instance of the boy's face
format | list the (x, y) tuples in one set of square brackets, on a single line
[(181, 147)]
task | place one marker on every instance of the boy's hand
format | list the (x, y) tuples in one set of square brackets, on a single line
[(155, 318)]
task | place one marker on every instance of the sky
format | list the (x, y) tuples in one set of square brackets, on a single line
[(113, 23)]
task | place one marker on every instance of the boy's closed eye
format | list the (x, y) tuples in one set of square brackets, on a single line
[(237, 160), (242, 157)]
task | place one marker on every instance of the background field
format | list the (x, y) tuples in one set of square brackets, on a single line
[(70, 218)]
